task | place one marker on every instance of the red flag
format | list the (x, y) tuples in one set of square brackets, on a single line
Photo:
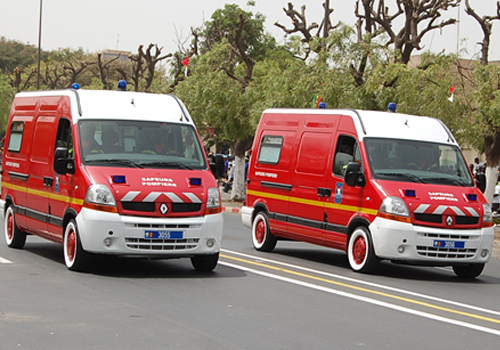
[(186, 61), (452, 90)]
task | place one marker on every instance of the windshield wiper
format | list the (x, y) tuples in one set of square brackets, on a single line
[(447, 181), (177, 165), (116, 161), (406, 176)]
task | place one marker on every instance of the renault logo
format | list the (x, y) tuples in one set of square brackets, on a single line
[(163, 208), (449, 220)]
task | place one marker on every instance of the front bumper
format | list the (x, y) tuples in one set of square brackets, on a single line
[(405, 242), (246, 216), (111, 233)]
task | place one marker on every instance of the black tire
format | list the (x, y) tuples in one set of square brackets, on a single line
[(75, 258), (360, 252), (14, 237), (205, 263), (468, 271), (262, 238)]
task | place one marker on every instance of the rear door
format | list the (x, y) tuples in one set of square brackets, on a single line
[(15, 168), (270, 182)]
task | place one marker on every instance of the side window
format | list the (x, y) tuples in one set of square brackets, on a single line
[(270, 149), (65, 136), (347, 151), (16, 136)]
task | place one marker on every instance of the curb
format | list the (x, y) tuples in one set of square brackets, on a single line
[(235, 210)]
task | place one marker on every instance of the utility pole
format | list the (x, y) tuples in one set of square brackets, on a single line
[(326, 22), (39, 46)]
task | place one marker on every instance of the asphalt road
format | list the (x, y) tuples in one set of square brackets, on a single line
[(298, 297)]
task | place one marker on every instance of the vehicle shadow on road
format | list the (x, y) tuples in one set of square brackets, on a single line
[(338, 261), (112, 266)]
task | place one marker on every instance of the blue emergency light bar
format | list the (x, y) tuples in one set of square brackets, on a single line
[(195, 181), (472, 197), (119, 179), (410, 193)]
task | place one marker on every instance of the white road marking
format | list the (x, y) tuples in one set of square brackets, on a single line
[(366, 300), (358, 281), (5, 261)]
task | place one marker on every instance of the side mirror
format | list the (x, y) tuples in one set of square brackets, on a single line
[(62, 163), (213, 168), (217, 166), (353, 176)]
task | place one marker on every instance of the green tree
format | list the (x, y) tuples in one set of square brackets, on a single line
[(7, 93), (216, 90), (16, 54), (484, 116)]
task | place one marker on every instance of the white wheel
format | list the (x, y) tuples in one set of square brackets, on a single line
[(262, 238), (14, 237), (75, 258), (360, 251)]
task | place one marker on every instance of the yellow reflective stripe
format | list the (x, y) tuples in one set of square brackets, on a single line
[(44, 194), (315, 203), (269, 195)]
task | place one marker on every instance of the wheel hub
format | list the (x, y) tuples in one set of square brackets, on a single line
[(70, 245), (359, 250), (260, 230)]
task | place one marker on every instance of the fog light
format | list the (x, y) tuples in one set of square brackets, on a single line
[(484, 253), (210, 243), (107, 242), (401, 249)]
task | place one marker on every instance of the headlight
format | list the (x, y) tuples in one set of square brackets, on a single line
[(487, 215), (394, 208), (213, 201), (100, 194)]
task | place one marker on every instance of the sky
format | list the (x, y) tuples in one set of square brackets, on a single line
[(95, 25)]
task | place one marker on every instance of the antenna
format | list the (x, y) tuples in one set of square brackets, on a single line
[(458, 29)]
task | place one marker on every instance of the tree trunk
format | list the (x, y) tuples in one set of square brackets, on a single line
[(491, 181), (239, 187), (492, 152), (238, 192)]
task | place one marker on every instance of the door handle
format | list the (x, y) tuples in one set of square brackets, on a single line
[(48, 181), (324, 192)]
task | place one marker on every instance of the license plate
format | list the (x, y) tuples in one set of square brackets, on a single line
[(449, 244), (164, 234)]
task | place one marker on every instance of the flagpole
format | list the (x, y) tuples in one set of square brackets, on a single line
[(39, 46)]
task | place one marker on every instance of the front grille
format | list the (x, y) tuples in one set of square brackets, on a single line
[(163, 226), (139, 206), (150, 207), (466, 220), (438, 219), (161, 244), (447, 236), (443, 252), (185, 207)]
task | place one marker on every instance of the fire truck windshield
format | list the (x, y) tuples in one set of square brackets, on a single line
[(140, 144), (417, 161)]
